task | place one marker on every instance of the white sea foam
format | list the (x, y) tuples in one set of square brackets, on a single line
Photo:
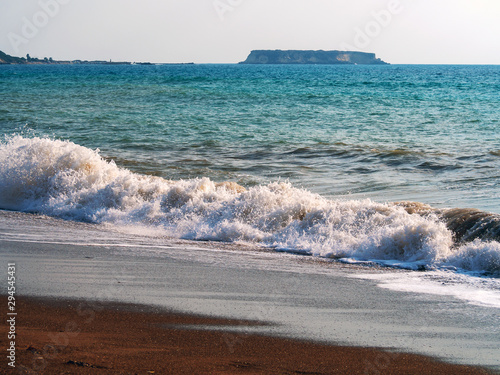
[(477, 255), (475, 290), (62, 179)]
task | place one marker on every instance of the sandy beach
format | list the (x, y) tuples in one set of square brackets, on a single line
[(172, 307), (60, 336)]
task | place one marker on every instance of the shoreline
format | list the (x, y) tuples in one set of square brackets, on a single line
[(56, 335), (299, 299)]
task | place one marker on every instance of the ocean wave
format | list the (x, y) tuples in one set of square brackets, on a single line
[(65, 180)]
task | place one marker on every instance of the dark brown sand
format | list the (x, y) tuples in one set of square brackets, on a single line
[(76, 337)]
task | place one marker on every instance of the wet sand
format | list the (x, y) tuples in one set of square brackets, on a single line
[(61, 336), (268, 309)]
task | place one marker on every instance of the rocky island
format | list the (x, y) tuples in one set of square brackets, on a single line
[(312, 57)]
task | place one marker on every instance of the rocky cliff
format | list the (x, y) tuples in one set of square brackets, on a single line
[(311, 57)]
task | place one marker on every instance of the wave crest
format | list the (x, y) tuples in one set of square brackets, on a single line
[(62, 179)]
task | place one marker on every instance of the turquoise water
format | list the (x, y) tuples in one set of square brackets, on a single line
[(308, 159), (390, 133)]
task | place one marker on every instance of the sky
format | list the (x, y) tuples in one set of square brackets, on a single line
[(225, 31)]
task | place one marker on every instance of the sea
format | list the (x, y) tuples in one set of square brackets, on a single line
[(394, 166)]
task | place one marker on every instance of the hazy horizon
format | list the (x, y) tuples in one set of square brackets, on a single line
[(225, 31)]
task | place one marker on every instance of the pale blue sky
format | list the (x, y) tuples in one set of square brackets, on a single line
[(224, 31)]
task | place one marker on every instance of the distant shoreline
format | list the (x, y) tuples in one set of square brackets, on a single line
[(13, 60), (269, 57), (78, 62), (6, 59)]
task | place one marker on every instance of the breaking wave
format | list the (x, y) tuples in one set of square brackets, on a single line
[(65, 180)]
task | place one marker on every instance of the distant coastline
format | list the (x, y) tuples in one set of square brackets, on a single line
[(6, 59), (255, 57), (312, 57)]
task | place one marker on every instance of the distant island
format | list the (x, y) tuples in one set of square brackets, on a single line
[(312, 57)]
